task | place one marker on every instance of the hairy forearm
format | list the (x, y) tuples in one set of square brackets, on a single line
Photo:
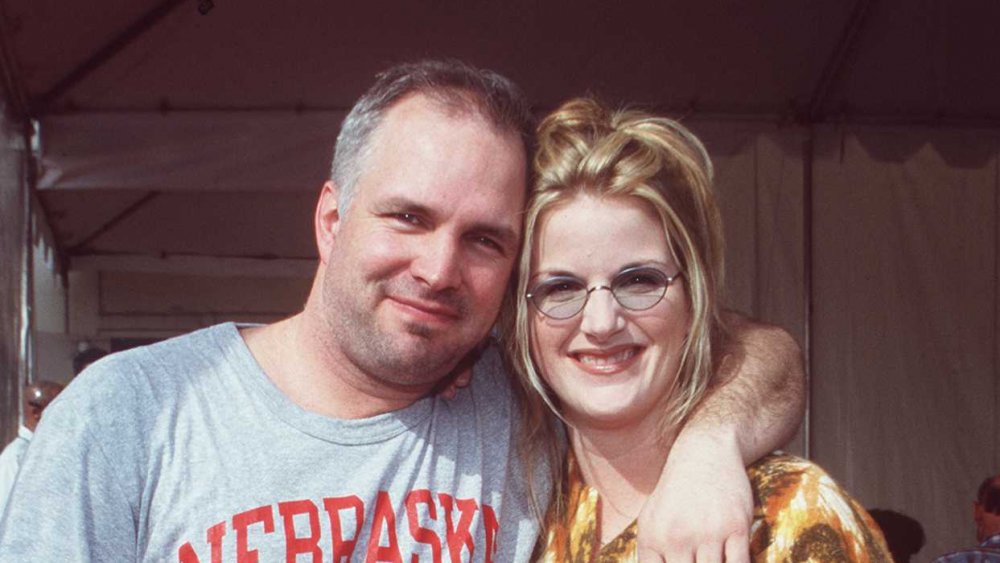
[(757, 396), (703, 502)]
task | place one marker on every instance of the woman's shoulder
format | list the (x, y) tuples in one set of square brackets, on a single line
[(801, 511), (778, 471)]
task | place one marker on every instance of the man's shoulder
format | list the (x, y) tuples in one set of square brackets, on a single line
[(148, 373)]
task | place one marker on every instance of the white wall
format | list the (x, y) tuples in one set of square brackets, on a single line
[(109, 304)]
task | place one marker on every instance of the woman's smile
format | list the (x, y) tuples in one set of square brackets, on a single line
[(609, 361)]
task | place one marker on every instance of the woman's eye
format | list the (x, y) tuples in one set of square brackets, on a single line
[(640, 281), (560, 289)]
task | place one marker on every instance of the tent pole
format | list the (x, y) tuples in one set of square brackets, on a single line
[(839, 60), (996, 306), (28, 185), (809, 151)]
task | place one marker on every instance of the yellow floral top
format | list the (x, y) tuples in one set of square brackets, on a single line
[(800, 514)]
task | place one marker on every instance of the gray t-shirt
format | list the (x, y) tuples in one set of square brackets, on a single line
[(185, 451)]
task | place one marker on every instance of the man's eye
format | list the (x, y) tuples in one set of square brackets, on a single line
[(407, 218), (489, 243)]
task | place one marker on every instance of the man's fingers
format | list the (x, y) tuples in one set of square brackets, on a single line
[(458, 381), (463, 378), (709, 553), (649, 556), (738, 549)]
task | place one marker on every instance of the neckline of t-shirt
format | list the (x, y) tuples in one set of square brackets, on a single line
[(369, 430)]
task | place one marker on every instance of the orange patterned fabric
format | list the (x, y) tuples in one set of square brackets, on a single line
[(800, 514)]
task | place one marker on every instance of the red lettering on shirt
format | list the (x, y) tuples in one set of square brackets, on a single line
[(384, 518), (295, 544), (492, 526), (458, 536), (344, 549), (263, 515), (214, 537), (421, 534), (303, 531)]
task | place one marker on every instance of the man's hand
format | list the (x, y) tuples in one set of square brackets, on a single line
[(461, 375), (461, 379), (702, 507)]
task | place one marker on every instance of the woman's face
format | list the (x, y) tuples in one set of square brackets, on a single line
[(610, 366)]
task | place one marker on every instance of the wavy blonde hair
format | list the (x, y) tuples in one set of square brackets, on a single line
[(586, 149)]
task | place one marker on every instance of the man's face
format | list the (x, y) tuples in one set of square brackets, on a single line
[(36, 398), (415, 270)]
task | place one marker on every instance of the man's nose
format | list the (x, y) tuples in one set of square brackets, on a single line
[(602, 315), (438, 263)]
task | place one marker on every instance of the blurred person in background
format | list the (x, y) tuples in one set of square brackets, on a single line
[(986, 514), (37, 396)]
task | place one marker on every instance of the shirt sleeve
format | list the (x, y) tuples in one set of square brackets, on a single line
[(802, 514), (68, 503), (8, 471)]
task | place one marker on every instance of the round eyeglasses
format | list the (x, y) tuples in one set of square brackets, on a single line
[(636, 289)]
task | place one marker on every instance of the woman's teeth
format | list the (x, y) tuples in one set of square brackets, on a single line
[(604, 360)]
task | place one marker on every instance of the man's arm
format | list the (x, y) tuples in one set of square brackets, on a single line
[(701, 508)]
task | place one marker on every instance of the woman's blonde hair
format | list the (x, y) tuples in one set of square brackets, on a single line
[(586, 149)]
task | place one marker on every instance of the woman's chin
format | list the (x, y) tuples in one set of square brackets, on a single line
[(606, 412)]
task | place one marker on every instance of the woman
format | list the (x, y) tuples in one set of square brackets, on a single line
[(617, 321)]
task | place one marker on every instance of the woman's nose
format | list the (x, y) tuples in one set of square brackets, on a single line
[(601, 314)]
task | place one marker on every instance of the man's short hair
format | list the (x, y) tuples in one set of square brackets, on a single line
[(989, 495), (453, 84)]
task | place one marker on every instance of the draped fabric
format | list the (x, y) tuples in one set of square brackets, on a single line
[(905, 298), (904, 383)]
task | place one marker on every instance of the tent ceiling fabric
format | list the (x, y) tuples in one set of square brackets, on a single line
[(156, 96), (911, 57), (323, 54)]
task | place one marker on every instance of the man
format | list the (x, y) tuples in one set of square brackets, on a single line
[(319, 435), (986, 513), (36, 397)]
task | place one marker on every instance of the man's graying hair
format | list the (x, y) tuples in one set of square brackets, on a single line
[(455, 85)]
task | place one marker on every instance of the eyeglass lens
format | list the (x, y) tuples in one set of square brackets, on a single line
[(636, 289)]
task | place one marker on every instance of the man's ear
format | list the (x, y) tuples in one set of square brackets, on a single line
[(327, 220)]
